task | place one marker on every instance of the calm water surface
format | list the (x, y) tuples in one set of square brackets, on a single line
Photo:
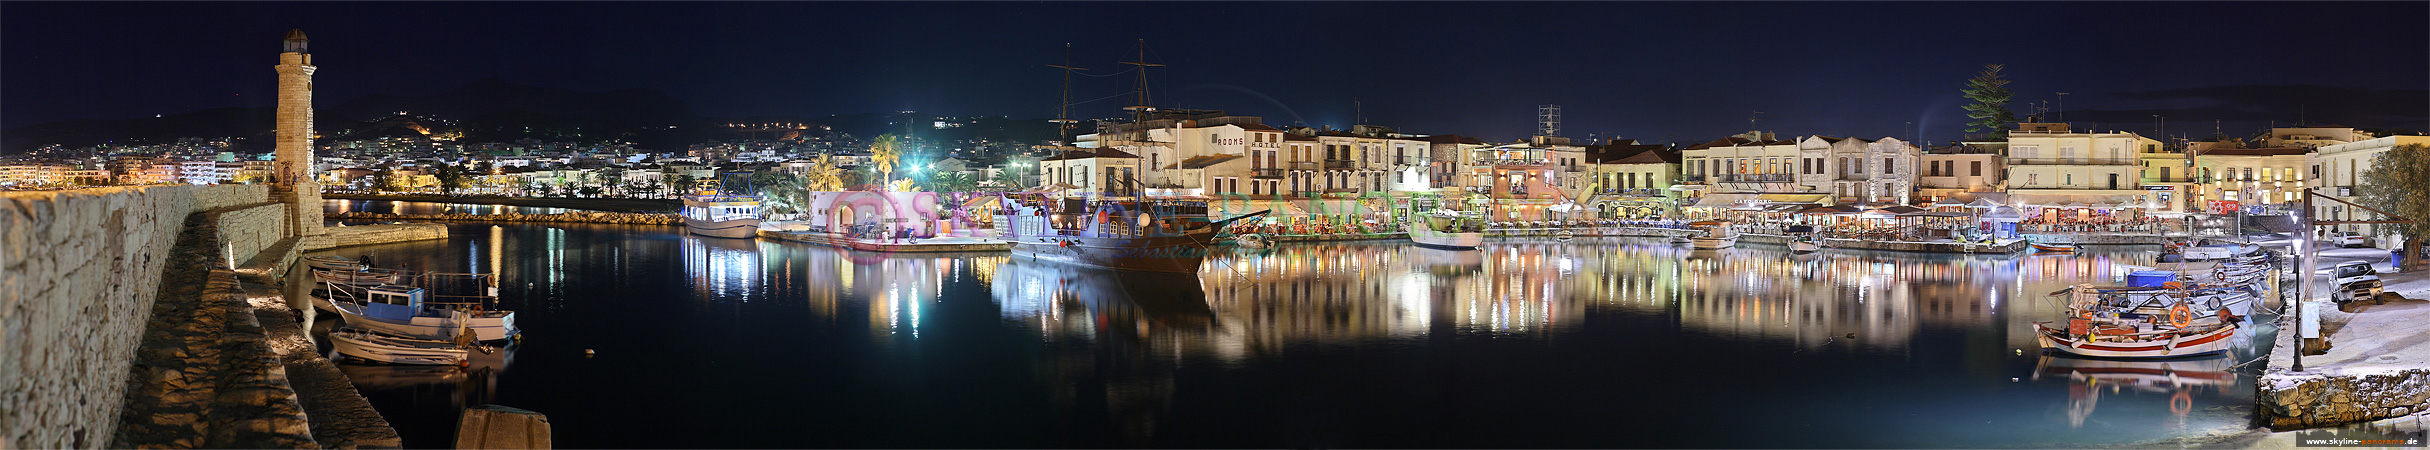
[(398, 207), (1613, 342)]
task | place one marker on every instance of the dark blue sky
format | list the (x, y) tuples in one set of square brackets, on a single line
[(1655, 71)]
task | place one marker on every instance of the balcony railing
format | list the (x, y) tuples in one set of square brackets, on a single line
[(1265, 173), (1691, 178), (1633, 192), (1756, 178), (1407, 160), (1339, 164), (2074, 161), (1305, 165), (1573, 168), (1519, 162)]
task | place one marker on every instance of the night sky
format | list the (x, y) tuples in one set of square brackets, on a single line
[(1663, 72)]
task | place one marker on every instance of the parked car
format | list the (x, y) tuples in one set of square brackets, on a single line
[(2356, 280), (2349, 240)]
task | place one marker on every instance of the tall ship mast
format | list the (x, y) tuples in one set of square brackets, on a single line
[(1114, 227)]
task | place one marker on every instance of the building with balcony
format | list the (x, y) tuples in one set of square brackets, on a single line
[(1635, 185), (1449, 156), (2339, 169), (2168, 176), (1751, 170), (2237, 177), (2050, 166), (1959, 171)]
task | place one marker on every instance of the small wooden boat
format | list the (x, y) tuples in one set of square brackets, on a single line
[(376, 347), (2055, 248), (333, 262), (365, 277), (402, 311), (1258, 241), (2086, 337), (1804, 246)]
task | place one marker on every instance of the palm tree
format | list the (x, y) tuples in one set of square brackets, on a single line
[(885, 153), (785, 194)]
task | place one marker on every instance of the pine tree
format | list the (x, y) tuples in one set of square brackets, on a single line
[(1989, 91), (2394, 183)]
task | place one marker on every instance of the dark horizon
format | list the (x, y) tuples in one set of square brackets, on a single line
[(1659, 72)]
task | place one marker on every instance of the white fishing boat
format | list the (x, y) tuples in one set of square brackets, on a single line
[(1804, 246), (364, 277), (709, 213), (333, 262), (376, 347), (1717, 235), (1448, 229), (404, 311), (1680, 239)]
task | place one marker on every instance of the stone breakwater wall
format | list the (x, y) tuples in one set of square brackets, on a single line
[(80, 271), (2098, 239), (2290, 400), (579, 217), (371, 234)]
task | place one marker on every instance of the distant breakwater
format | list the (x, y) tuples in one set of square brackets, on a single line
[(572, 217)]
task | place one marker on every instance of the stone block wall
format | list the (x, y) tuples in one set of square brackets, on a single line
[(79, 271), (244, 231), (2291, 401)]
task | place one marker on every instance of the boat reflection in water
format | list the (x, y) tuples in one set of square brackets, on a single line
[(2089, 379), (1110, 336)]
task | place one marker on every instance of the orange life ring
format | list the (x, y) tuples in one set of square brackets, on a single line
[(2181, 316), (2181, 404)]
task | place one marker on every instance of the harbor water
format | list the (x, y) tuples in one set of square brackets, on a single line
[(640, 337)]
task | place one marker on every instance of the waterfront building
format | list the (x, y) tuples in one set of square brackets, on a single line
[(2169, 177), (1522, 179), (1449, 157), (1633, 180), (2313, 137), (2268, 178), (2053, 169), (1746, 172), (2339, 168), (1959, 171)]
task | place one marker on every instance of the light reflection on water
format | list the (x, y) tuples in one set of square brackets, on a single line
[(1609, 342), (403, 207)]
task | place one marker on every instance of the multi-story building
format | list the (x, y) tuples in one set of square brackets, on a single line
[(1633, 181), (1858, 171), (1449, 156), (2168, 176), (2339, 168), (2313, 137), (1959, 171), (2271, 178), (2056, 169), (1747, 171)]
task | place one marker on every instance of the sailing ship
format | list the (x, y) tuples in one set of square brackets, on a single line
[(1123, 233), (712, 213)]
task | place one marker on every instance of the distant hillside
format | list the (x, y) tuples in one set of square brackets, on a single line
[(251, 126), (493, 110)]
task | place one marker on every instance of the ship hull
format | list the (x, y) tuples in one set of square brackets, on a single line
[(1164, 254), (736, 229)]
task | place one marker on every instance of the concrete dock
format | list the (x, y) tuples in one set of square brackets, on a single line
[(2377, 365)]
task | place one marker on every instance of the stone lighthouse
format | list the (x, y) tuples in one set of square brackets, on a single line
[(295, 185)]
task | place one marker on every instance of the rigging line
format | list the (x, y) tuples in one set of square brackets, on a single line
[(1107, 75), (1125, 94)]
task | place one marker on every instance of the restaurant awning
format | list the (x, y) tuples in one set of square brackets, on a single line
[(1834, 209), (1225, 209), (1723, 200), (1793, 198)]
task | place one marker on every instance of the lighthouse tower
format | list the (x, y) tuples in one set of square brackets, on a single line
[(295, 185)]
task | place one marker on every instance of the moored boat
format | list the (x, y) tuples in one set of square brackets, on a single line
[(1804, 246), (1448, 229), (1148, 235), (715, 215), (333, 262), (404, 311), (376, 347), (2055, 248), (1717, 235), (2118, 341), (365, 277)]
